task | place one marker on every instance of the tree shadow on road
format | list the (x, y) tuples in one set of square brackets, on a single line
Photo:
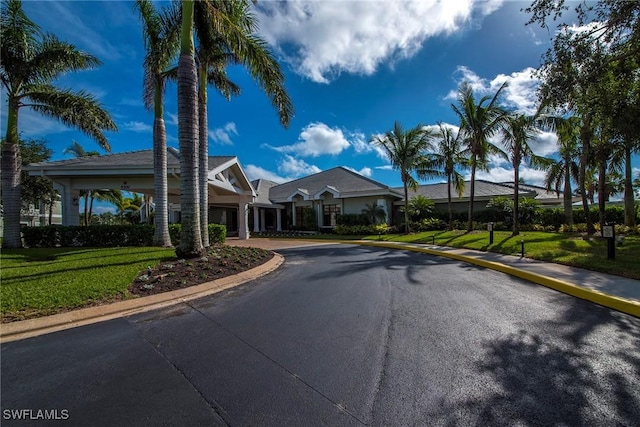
[(560, 378), (414, 264)]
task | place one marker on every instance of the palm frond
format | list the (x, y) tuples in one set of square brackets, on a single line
[(77, 109)]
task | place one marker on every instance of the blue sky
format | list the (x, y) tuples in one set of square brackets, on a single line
[(352, 68)]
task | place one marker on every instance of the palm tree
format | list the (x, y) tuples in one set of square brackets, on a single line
[(251, 52), (560, 173), (449, 155), (161, 37), (30, 61), (407, 153), (77, 150), (374, 213), (235, 43), (517, 131), (478, 123)]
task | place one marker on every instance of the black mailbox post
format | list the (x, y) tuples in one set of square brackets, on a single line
[(490, 228), (609, 233)]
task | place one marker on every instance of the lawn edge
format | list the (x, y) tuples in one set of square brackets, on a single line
[(57, 322), (616, 303)]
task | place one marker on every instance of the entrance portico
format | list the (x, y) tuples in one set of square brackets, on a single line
[(228, 186)]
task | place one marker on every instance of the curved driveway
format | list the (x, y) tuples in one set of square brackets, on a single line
[(344, 335)]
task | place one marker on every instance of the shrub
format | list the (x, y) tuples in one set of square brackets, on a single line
[(106, 235), (93, 235), (217, 233), (428, 224), (352, 219), (355, 230)]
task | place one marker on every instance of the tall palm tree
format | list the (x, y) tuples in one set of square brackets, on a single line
[(77, 150), (407, 152), (190, 236), (479, 121), (517, 131), (449, 156), (250, 51), (161, 37), (30, 62), (560, 173)]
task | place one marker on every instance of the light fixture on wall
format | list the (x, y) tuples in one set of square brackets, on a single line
[(75, 201)]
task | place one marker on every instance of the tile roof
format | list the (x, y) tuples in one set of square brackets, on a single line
[(262, 187), (482, 189), (340, 178), (143, 158)]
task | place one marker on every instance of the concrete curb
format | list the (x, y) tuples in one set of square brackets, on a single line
[(616, 303), (85, 316)]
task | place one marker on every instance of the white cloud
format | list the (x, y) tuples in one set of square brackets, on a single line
[(291, 166), (136, 126), (256, 172), (385, 167), (362, 146), (172, 119), (222, 135), (545, 143), (317, 139), (323, 39), (365, 171), (519, 95)]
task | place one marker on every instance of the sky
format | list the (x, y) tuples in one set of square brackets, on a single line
[(352, 68)]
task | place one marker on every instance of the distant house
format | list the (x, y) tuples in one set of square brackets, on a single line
[(484, 191), (314, 201), (328, 194)]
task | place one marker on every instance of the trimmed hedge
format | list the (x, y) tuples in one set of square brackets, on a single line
[(217, 233), (93, 235), (106, 235)]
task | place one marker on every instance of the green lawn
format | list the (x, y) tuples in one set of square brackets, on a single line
[(561, 248), (36, 282)]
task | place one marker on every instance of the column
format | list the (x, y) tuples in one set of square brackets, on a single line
[(256, 220), (243, 220), (70, 202), (293, 213), (263, 225), (278, 219)]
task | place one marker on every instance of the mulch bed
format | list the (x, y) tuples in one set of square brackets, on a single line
[(220, 261)]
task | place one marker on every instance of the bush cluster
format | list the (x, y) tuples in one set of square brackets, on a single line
[(363, 230), (106, 235), (93, 235), (217, 233)]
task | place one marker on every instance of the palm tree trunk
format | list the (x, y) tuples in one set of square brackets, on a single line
[(516, 201), (11, 168), (629, 203), (406, 205), (567, 195), (585, 137), (204, 156), (190, 236), (602, 197), (449, 201), (86, 207), (90, 210), (472, 190), (161, 235)]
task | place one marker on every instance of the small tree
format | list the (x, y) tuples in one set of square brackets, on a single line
[(420, 207), (375, 214)]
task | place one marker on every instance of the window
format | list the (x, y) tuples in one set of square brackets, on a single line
[(330, 214)]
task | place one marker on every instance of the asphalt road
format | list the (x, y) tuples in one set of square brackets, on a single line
[(342, 335)]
